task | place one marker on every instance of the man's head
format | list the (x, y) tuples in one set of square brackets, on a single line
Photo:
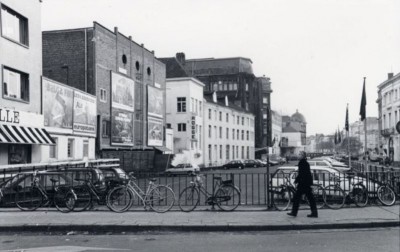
[(302, 154)]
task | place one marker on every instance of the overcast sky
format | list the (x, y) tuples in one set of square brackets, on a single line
[(316, 52)]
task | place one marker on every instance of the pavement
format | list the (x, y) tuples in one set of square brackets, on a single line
[(242, 219)]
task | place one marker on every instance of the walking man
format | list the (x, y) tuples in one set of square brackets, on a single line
[(304, 182)]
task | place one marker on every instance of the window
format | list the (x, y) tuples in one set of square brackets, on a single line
[(220, 151), (215, 131), (215, 86), (238, 120), (227, 133), (233, 134), (181, 127), (247, 87), (70, 148), (209, 114), (242, 134), (247, 135), (215, 115), (181, 104), (220, 132), (227, 117), (233, 119), (234, 86), (227, 152), (209, 131), (248, 152), (85, 148), (15, 84), (237, 151), (53, 148), (105, 125), (103, 95), (209, 153), (200, 137), (237, 134), (233, 151), (220, 116), (265, 100), (225, 86), (242, 120), (14, 26), (200, 108), (242, 151), (192, 105), (220, 85)]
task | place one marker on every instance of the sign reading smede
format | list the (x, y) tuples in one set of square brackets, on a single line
[(122, 128), (155, 102), (155, 132), (57, 105), (122, 92), (84, 113)]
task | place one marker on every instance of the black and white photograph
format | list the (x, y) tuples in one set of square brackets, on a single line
[(187, 125)]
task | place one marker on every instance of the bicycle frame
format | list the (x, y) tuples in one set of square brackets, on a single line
[(138, 191)]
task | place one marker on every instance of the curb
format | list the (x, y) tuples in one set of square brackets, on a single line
[(102, 229)]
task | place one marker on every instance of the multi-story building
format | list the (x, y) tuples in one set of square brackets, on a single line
[(228, 131), (185, 116), (356, 130), (294, 129), (276, 133), (23, 138), (129, 83), (389, 115), (232, 77)]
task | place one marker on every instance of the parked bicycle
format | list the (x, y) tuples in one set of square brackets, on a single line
[(387, 192), (225, 194), (159, 198), (283, 195), (34, 196), (335, 196)]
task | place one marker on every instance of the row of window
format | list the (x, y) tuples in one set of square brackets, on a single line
[(196, 106), (391, 96), (218, 152), (240, 135), (387, 121), (70, 148), (218, 116)]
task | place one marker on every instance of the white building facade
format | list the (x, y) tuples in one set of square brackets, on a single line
[(184, 114), (389, 116), (228, 131), (276, 133)]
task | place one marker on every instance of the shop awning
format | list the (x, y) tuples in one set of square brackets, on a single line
[(24, 135)]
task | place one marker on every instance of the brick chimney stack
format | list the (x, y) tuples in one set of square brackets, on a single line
[(390, 75), (180, 56)]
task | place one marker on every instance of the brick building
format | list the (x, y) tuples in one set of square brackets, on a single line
[(129, 83)]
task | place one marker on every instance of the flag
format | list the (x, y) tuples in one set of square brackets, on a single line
[(363, 103), (346, 125)]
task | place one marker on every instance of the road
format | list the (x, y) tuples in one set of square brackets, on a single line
[(364, 240)]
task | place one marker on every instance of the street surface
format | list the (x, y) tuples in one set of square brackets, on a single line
[(387, 240)]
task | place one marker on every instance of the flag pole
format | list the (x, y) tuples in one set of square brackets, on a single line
[(363, 114), (348, 135)]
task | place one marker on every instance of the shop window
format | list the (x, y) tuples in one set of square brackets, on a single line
[(53, 148), (85, 148), (103, 95), (70, 148), (14, 26), (19, 154), (15, 84)]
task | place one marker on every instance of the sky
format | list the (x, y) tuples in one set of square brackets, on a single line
[(316, 52)]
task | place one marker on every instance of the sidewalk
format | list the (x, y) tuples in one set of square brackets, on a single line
[(14, 220)]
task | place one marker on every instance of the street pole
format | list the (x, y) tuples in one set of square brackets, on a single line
[(365, 145), (268, 143), (348, 141)]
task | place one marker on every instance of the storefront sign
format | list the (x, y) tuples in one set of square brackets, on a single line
[(155, 102), (123, 90), (155, 132), (122, 128), (22, 118), (57, 104), (193, 127), (84, 113), (9, 116)]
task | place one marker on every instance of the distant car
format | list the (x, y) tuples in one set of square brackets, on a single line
[(262, 163), (234, 164), (328, 162), (251, 163), (182, 169)]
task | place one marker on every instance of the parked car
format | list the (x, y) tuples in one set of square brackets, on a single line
[(328, 162), (261, 163), (234, 164), (182, 169), (251, 163)]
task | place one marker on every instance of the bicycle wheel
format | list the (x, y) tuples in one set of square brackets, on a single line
[(29, 200), (64, 199), (281, 198), (360, 195), (189, 198), (119, 199), (161, 198), (334, 197), (83, 198), (386, 195), (319, 194), (227, 197)]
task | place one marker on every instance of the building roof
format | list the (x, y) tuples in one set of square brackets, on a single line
[(221, 66), (174, 68), (298, 117), (208, 96)]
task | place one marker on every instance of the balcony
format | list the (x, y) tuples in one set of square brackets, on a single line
[(387, 132)]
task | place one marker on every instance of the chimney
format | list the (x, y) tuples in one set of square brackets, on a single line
[(180, 56), (390, 75)]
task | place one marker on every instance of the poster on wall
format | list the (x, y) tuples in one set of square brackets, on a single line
[(155, 102), (57, 104), (122, 92), (84, 113), (121, 128), (155, 132)]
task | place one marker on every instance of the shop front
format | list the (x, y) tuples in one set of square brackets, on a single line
[(22, 137)]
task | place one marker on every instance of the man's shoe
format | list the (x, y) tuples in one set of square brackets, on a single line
[(312, 215), (291, 214)]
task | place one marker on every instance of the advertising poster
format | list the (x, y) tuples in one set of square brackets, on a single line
[(84, 113), (57, 104), (155, 132), (122, 128), (155, 102), (122, 92)]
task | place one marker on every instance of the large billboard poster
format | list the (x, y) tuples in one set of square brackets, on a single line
[(121, 128), (57, 104), (84, 113), (122, 92), (155, 132), (155, 102)]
